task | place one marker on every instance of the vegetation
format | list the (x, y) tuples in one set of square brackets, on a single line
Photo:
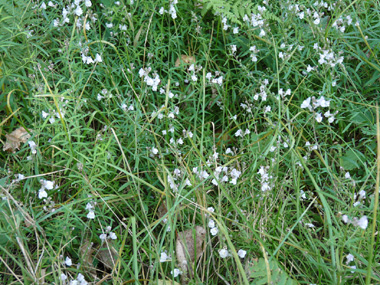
[(198, 142)]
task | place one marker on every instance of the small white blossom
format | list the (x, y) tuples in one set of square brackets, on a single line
[(68, 261), (214, 231), (175, 272), (350, 258), (241, 253), (91, 215), (223, 253)]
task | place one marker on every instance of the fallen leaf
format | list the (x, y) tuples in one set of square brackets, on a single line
[(162, 210), (14, 139), (185, 250), (87, 254), (108, 256), (184, 58)]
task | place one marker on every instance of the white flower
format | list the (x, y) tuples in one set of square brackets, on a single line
[(318, 117), (164, 257), (214, 231), (353, 267), (235, 30), (112, 235), (63, 277), (87, 3), (175, 272), (310, 225), (43, 5), (42, 193), (223, 253), (211, 223), (47, 184), (91, 215), (89, 206), (98, 58), (33, 147), (306, 104), (241, 253), (68, 261), (154, 150), (350, 258), (80, 278), (363, 222), (347, 175), (78, 11), (345, 219), (211, 209), (103, 236), (239, 133)]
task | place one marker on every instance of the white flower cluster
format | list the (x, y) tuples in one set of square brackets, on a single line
[(33, 147), (240, 133), (263, 94), (350, 258), (104, 94), (213, 228), (194, 69), (328, 57), (225, 25), (216, 79), (322, 4), (265, 179), (108, 234), (256, 20), (177, 175), (80, 280), (233, 49), (360, 197), (45, 185), (91, 210), (75, 10), (126, 108), (341, 22), (172, 11), (88, 59), (52, 114), (312, 104), (309, 148), (254, 52), (149, 80), (362, 222), (224, 253)]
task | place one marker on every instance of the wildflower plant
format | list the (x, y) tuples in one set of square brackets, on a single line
[(246, 128)]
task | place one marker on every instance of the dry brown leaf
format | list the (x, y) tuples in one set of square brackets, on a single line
[(108, 255), (14, 139), (186, 59), (87, 254), (162, 210), (185, 246)]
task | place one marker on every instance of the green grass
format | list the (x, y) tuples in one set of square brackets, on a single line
[(145, 145)]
